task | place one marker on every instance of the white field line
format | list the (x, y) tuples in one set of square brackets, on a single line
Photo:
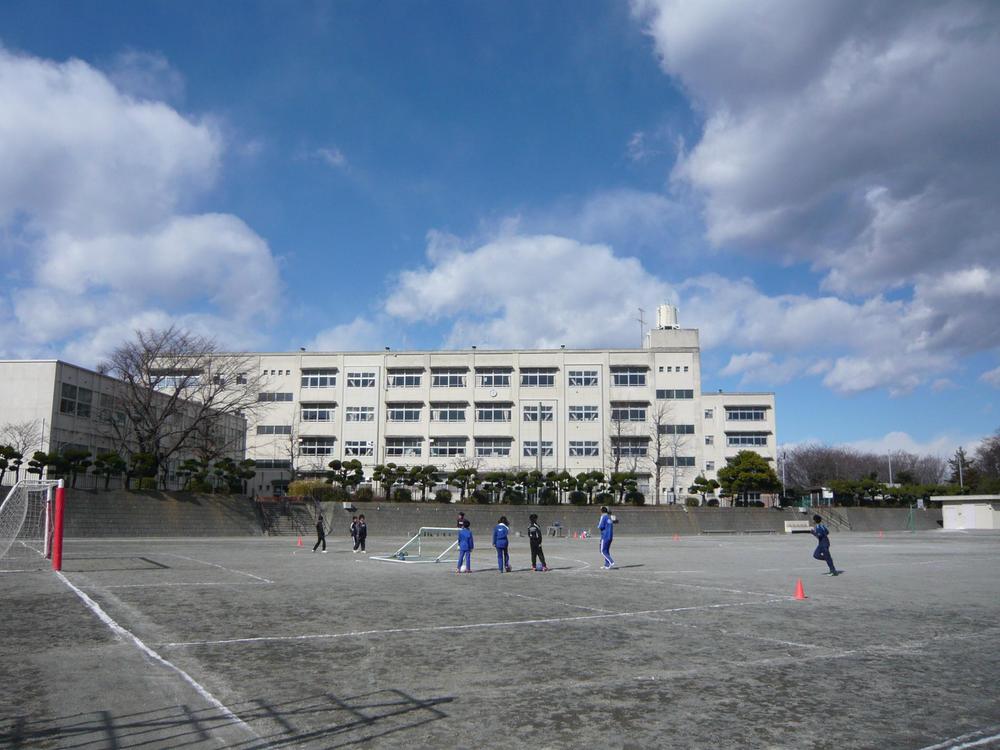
[(632, 579), (159, 585), (584, 563), (220, 567), (972, 739), (854, 567), (556, 601), (466, 626), (121, 632)]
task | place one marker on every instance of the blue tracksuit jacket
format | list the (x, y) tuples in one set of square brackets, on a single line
[(500, 532), (465, 542), (607, 528)]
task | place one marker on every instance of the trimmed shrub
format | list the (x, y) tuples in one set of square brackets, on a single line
[(692, 502), (364, 494), (578, 497), (480, 496), (443, 496), (548, 496), (604, 498), (513, 497), (636, 498), (713, 502), (402, 495)]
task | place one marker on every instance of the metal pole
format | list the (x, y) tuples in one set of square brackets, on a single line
[(539, 437), (958, 458), (890, 467)]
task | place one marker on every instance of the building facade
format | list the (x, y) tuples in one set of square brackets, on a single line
[(560, 409), (71, 407)]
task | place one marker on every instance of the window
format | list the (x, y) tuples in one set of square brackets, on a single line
[(454, 378), (673, 394), (448, 446), (628, 413), (531, 413), (490, 447), (319, 378), (531, 447), (629, 447), (402, 412), (318, 412), (272, 463), (661, 368), (747, 438), (359, 413), (629, 376), (537, 377), (241, 378), (685, 368), (317, 446), (710, 466), (76, 400), (359, 448), (582, 378), (745, 413), (404, 379), (110, 410), (583, 414), (403, 446), (709, 413), (677, 429), (681, 461), (709, 439), (274, 429), (495, 377), (583, 448), (361, 379), (447, 412), (493, 412), (266, 396)]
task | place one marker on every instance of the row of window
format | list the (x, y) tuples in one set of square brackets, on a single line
[(486, 378), (456, 446)]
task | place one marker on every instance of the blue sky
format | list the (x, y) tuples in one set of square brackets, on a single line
[(815, 187)]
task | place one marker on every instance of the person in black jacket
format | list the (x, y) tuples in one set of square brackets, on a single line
[(320, 534), (362, 535), (535, 540)]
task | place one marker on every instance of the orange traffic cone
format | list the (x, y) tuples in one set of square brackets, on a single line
[(677, 537), (300, 542), (881, 535), (800, 593)]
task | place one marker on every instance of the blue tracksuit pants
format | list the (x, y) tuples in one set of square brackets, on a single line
[(465, 556), (823, 553), (503, 558), (606, 552)]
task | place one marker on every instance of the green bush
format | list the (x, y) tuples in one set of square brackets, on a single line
[(636, 498), (316, 489), (578, 497), (713, 502), (692, 502), (402, 495), (364, 494), (199, 485), (481, 496), (604, 498), (548, 496), (513, 497), (442, 496), (147, 483)]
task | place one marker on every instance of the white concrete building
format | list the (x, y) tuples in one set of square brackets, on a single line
[(71, 407), (969, 511), (573, 409)]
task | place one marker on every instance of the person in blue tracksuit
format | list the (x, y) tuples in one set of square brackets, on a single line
[(822, 552), (465, 546), (607, 529), (501, 541)]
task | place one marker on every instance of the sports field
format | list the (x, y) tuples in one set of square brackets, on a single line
[(694, 643)]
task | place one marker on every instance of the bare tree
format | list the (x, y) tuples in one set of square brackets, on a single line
[(24, 437), (175, 389), (669, 441)]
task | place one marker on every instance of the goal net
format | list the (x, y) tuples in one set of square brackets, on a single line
[(26, 525), (429, 545)]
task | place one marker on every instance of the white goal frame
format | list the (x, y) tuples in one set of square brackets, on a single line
[(14, 513), (403, 554)]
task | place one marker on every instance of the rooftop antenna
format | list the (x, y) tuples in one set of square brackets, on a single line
[(642, 325)]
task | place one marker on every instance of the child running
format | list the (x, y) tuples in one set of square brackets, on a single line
[(822, 552), (500, 541), (361, 534), (465, 546), (320, 534), (607, 529), (535, 539)]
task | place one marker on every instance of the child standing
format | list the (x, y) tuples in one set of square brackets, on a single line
[(354, 531), (361, 534), (500, 541), (320, 534), (822, 552), (607, 529), (535, 539), (465, 546)]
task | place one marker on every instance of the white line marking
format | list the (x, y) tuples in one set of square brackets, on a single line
[(220, 567), (556, 601), (119, 631), (584, 563), (158, 585), (686, 585), (972, 739), (466, 626)]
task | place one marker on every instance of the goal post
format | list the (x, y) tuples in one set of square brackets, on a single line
[(31, 525), (431, 544)]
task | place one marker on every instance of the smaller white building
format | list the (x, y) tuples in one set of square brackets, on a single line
[(969, 511)]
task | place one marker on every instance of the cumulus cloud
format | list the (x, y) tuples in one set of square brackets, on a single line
[(360, 335), (528, 291), (858, 138), (943, 445), (97, 179), (332, 156), (992, 377)]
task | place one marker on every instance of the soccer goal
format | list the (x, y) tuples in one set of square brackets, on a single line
[(27, 525), (429, 545)]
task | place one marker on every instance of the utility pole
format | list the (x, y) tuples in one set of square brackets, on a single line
[(642, 326), (958, 457), (890, 466)]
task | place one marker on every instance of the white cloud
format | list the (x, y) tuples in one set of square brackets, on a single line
[(943, 445), (360, 335), (762, 368), (332, 156), (528, 291), (992, 377), (95, 178), (146, 75)]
